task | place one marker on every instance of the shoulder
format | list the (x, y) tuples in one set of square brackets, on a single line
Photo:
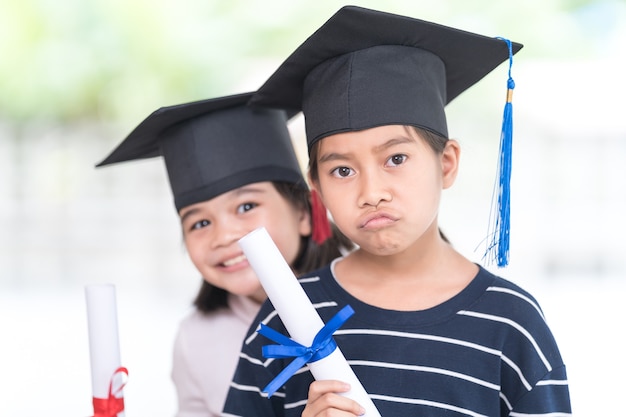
[(325, 271), (507, 296), (192, 320), (512, 319), (513, 313), (200, 328), (194, 327)]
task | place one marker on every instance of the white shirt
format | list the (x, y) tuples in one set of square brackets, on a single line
[(206, 352)]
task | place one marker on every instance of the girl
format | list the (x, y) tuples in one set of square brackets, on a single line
[(433, 334), (232, 169)]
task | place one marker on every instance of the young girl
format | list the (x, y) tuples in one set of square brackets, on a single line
[(232, 169), (432, 334)]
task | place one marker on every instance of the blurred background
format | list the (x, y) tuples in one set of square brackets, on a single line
[(77, 76)]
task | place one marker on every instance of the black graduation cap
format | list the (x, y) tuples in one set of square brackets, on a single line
[(213, 146), (365, 68)]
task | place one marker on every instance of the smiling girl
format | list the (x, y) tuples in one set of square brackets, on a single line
[(231, 169)]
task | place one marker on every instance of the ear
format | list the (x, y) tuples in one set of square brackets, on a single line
[(450, 158), (305, 227)]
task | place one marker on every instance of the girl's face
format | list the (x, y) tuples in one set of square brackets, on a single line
[(212, 228), (383, 186)]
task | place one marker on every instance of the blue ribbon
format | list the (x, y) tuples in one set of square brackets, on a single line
[(323, 345)]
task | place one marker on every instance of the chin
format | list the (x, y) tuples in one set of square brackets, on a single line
[(246, 288), (381, 247)]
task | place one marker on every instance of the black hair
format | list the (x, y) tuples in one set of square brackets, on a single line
[(311, 256)]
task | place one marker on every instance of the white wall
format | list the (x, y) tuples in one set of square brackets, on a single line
[(64, 225)]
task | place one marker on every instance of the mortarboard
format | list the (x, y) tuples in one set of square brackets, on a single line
[(213, 146), (365, 68)]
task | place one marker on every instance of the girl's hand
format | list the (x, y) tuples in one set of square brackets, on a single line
[(324, 400)]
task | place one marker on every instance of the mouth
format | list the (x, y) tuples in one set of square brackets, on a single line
[(234, 261), (377, 221)]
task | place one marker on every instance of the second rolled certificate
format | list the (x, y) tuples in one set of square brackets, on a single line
[(297, 313), (107, 374)]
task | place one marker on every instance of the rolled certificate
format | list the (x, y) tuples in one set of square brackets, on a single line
[(297, 313), (104, 351)]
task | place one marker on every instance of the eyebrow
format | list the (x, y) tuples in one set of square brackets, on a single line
[(394, 142), (187, 214), (335, 156)]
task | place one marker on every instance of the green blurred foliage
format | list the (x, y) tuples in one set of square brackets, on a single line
[(66, 60)]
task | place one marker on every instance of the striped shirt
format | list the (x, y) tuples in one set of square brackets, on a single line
[(485, 352)]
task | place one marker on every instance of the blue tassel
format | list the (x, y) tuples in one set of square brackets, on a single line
[(499, 233)]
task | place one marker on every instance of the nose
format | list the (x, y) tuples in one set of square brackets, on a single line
[(226, 232), (374, 188)]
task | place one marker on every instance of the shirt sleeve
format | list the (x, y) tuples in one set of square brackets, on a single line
[(549, 397)]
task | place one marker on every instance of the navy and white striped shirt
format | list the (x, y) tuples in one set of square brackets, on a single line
[(485, 352)]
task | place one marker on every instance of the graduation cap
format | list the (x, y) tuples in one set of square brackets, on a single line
[(365, 68), (213, 146)]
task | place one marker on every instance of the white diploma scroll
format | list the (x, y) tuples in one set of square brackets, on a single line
[(104, 348), (297, 313)]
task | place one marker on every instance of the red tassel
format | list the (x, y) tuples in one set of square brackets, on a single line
[(319, 219)]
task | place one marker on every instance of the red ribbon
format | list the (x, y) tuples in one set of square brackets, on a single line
[(110, 407)]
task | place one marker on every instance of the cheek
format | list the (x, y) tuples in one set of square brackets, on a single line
[(285, 232), (194, 250), (330, 191)]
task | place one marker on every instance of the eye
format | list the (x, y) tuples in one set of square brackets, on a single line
[(342, 172), (396, 160), (200, 224), (242, 208)]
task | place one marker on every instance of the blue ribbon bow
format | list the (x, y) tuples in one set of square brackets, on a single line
[(323, 345)]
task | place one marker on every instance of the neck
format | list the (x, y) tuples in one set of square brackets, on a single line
[(412, 280)]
